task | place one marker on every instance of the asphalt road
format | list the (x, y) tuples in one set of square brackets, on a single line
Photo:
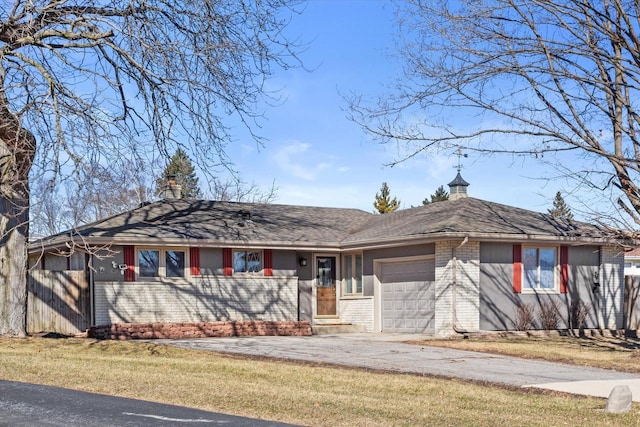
[(23, 405)]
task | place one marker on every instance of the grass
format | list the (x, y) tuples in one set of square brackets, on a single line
[(296, 393), (621, 354)]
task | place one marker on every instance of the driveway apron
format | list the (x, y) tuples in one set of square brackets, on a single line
[(389, 353)]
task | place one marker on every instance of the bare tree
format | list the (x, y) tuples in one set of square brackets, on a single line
[(556, 80), (237, 190), (94, 83)]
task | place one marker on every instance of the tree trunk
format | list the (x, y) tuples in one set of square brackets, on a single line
[(17, 149), (14, 217)]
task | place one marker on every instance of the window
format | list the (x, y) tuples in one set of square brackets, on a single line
[(174, 263), (149, 263), (539, 268), (161, 263), (247, 261), (352, 274)]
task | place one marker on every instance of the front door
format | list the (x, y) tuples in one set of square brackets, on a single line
[(326, 281)]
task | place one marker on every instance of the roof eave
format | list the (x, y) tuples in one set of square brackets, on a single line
[(485, 237), (101, 242), (97, 243)]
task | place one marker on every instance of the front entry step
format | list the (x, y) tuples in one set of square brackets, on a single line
[(337, 328)]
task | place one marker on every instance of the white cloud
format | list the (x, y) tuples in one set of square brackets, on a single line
[(246, 150), (299, 160)]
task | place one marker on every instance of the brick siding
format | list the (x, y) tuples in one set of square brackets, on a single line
[(127, 331), (612, 286), (358, 311), (467, 298), (205, 299)]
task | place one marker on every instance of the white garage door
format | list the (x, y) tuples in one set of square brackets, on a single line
[(408, 296)]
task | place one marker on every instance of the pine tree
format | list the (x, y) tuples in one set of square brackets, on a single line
[(560, 209), (440, 196), (384, 203), (181, 169)]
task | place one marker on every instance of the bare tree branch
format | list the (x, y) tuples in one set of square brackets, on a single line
[(86, 86), (524, 78)]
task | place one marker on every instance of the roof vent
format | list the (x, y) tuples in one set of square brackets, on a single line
[(244, 214)]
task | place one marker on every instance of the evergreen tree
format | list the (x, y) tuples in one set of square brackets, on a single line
[(182, 170), (440, 196), (384, 203), (560, 209)]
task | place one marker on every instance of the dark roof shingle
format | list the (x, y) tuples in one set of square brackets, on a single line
[(229, 222)]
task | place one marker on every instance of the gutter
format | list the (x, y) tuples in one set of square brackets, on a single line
[(454, 283), (485, 237), (370, 244)]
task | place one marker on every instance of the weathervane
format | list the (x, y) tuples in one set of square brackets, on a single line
[(460, 156)]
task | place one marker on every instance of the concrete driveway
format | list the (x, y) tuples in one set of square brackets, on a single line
[(390, 353)]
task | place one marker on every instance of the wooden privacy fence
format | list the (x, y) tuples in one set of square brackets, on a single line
[(58, 301)]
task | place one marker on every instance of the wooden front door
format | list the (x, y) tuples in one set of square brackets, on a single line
[(326, 286)]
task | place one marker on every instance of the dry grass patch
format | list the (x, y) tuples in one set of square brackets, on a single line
[(295, 393), (622, 354)]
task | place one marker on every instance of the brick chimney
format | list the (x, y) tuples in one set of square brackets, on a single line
[(172, 190)]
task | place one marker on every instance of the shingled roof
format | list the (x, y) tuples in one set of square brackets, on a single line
[(218, 223), (179, 221), (474, 218)]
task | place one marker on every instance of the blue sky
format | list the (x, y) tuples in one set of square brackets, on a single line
[(317, 157)]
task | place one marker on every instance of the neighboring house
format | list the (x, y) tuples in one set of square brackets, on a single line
[(632, 262), (632, 289), (461, 265)]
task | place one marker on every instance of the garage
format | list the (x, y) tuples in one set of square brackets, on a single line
[(408, 296)]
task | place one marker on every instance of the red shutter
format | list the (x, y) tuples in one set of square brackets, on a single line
[(517, 269), (194, 261), (564, 269), (268, 262), (130, 260), (227, 264)]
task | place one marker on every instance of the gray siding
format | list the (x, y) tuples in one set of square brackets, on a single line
[(305, 286), (210, 298), (498, 302), (55, 262), (103, 265), (285, 263), (210, 261)]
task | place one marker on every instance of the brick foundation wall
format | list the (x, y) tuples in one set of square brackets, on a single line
[(128, 331)]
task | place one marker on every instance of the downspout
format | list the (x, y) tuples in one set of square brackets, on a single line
[(454, 282)]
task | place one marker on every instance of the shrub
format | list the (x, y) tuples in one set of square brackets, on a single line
[(550, 315), (580, 313), (524, 314)]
